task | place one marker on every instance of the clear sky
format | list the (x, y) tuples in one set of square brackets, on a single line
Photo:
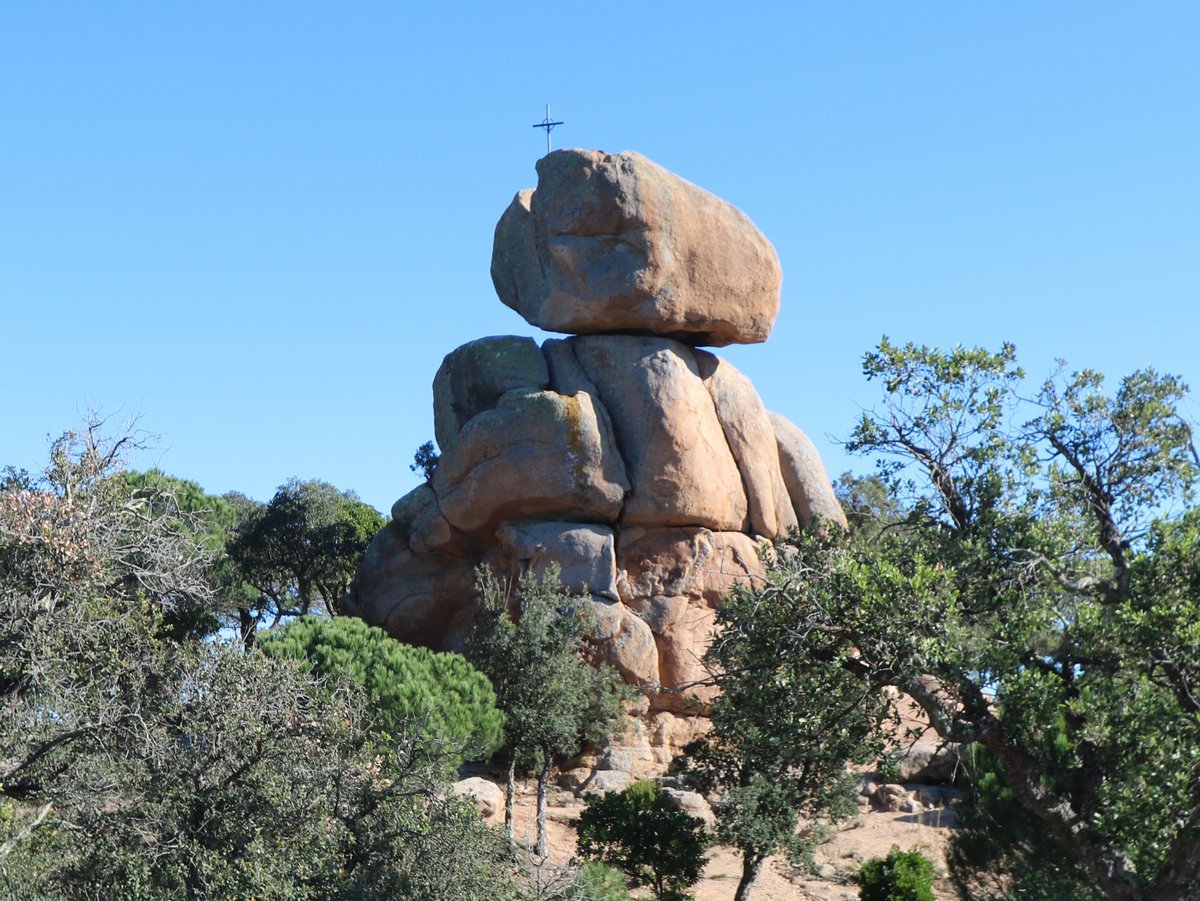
[(262, 225)]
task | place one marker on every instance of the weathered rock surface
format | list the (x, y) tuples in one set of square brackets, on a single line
[(601, 782), (691, 803), (585, 554), (472, 378), (737, 559), (616, 243), (930, 764), (804, 474), (681, 672), (693, 562), (416, 599), (895, 798), (648, 472), (680, 467), (607, 616), (429, 534), (632, 651), (537, 455), (488, 796), (748, 432)]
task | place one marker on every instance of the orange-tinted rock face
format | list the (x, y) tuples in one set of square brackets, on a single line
[(615, 243), (648, 471)]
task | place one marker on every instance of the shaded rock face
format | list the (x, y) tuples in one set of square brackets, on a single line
[(648, 471), (472, 378), (615, 243)]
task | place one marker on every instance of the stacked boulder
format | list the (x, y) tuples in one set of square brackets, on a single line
[(647, 469)]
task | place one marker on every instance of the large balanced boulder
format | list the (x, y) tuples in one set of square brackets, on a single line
[(615, 243)]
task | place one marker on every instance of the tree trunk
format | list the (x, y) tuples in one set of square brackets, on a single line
[(1071, 828), (510, 790), (751, 864), (304, 595), (1114, 873), (543, 844), (246, 625), (1179, 879)]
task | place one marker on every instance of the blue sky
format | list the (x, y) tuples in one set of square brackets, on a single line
[(262, 226)]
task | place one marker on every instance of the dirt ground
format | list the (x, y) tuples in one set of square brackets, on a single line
[(871, 834)]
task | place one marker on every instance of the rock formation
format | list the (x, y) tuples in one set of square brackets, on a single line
[(648, 470), (615, 243)]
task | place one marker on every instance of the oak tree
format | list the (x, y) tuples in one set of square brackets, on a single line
[(1038, 598), (529, 639)]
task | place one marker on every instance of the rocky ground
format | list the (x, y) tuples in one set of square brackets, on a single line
[(914, 814), (870, 834)]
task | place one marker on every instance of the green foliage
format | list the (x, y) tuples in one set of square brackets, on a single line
[(250, 780), (425, 460), (901, 876), (210, 520), (529, 640), (1001, 852), (553, 701), (214, 517), (405, 685), (597, 881), (299, 552), (138, 767), (789, 715), (868, 504), (81, 523), (888, 769), (1035, 592), (643, 834)]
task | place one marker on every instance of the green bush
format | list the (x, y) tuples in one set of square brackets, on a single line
[(888, 769), (901, 876), (406, 686), (596, 881), (640, 832)]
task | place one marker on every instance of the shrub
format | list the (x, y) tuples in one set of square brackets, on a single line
[(596, 881), (641, 833), (901, 876), (425, 461), (405, 684)]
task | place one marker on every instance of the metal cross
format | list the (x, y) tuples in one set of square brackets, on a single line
[(548, 125)]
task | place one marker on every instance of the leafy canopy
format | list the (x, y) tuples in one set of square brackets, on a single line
[(901, 876), (641, 832), (530, 640), (404, 685), (140, 763), (789, 715), (298, 553), (1034, 591)]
